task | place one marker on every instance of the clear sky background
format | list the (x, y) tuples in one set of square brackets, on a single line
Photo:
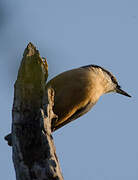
[(103, 144)]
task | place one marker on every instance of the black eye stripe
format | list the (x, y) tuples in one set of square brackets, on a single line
[(114, 80)]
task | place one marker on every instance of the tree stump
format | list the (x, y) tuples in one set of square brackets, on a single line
[(34, 153)]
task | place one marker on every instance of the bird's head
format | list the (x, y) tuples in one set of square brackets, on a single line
[(111, 84), (105, 80)]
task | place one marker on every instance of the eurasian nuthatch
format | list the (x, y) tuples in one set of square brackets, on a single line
[(78, 90)]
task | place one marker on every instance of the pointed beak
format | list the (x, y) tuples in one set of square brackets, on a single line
[(120, 91)]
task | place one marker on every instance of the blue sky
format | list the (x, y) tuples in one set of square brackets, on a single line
[(101, 145)]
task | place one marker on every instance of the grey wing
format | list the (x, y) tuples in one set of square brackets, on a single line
[(76, 115)]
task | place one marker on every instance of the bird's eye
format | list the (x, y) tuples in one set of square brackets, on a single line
[(113, 79)]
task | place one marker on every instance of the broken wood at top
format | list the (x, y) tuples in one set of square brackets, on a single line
[(34, 154)]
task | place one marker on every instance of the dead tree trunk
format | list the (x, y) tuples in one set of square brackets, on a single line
[(34, 154)]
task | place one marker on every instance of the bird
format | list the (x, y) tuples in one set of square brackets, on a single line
[(78, 90)]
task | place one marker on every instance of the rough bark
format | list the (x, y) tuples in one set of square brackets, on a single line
[(34, 153)]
